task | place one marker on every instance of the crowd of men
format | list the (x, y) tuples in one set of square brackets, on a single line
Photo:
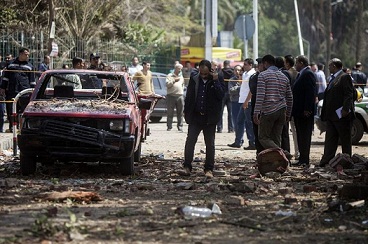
[(264, 101)]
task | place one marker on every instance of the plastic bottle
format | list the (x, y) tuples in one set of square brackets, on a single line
[(201, 212), (196, 211)]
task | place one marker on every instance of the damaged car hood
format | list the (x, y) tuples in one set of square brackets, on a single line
[(81, 107)]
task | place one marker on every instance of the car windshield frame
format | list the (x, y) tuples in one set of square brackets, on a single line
[(84, 85)]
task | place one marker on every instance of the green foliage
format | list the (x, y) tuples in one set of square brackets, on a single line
[(141, 34), (7, 15), (153, 23)]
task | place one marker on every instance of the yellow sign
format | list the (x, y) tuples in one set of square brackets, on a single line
[(196, 54)]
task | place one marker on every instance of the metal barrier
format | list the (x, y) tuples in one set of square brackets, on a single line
[(14, 115)]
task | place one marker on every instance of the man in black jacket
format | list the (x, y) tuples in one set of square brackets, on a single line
[(304, 93), (337, 111), (18, 76), (227, 73), (202, 111)]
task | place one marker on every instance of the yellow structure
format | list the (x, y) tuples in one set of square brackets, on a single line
[(219, 54)]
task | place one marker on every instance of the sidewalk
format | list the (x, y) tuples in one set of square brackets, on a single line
[(6, 140)]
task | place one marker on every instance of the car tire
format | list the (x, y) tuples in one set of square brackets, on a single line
[(357, 131), (155, 119), (28, 164), (137, 154), (127, 166)]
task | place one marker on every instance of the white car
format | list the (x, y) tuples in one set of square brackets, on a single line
[(360, 124)]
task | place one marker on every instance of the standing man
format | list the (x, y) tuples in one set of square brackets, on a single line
[(42, 67), (273, 103), (360, 79), (234, 89), (227, 73), (17, 77), (289, 66), (244, 119), (321, 80), (144, 80), (78, 63), (337, 111), (304, 92), (95, 61), (187, 70), (135, 66), (174, 97), (253, 80), (202, 111)]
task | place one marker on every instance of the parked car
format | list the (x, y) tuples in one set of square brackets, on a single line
[(159, 83), (84, 116), (160, 110), (360, 124)]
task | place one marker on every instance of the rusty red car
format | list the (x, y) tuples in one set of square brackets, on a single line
[(84, 116)]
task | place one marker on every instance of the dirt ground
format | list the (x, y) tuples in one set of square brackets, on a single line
[(301, 206)]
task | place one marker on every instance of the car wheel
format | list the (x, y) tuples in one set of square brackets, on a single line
[(28, 163), (137, 154), (127, 166), (155, 119), (357, 131)]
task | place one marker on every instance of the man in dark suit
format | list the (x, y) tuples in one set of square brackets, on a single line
[(202, 111), (304, 93), (337, 111)]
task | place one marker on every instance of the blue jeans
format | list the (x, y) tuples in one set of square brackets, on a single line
[(235, 107), (244, 121)]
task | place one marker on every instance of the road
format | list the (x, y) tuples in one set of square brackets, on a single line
[(171, 143)]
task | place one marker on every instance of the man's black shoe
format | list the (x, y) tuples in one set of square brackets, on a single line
[(234, 145), (250, 147), (322, 165), (300, 164)]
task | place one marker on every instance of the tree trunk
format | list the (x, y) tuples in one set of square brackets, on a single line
[(328, 35), (358, 45)]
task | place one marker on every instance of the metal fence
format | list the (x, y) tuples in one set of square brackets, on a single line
[(161, 57)]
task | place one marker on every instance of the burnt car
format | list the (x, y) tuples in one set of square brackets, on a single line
[(84, 116)]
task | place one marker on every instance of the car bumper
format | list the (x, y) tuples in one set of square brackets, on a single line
[(91, 147)]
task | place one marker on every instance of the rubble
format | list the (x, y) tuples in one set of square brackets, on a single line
[(80, 106)]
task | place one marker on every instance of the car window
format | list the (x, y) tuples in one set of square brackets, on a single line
[(82, 86), (156, 82)]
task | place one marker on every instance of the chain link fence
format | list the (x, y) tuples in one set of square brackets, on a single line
[(161, 57)]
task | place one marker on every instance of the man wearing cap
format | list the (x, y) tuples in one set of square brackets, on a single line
[(360, 79), (94, 60)]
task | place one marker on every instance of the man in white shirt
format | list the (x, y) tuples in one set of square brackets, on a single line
[(135, 67), (244, 119), (321, 79)]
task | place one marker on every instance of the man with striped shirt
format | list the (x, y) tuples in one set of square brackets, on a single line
[(274, 102)]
